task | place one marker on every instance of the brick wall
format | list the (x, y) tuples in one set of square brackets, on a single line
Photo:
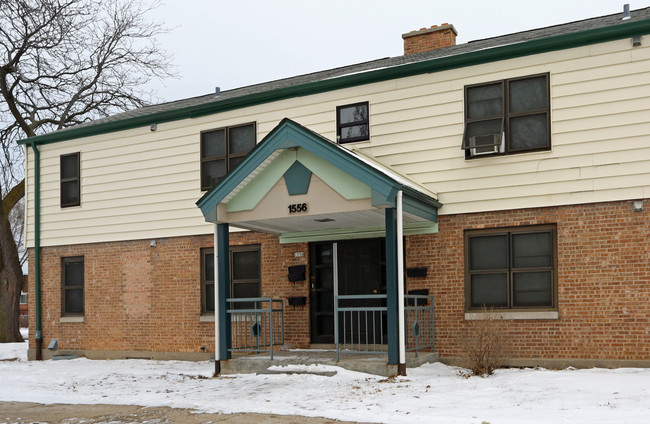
[(143, 298), (603, 281)]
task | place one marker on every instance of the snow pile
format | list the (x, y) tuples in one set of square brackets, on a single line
[(433, 393), (15, 351)]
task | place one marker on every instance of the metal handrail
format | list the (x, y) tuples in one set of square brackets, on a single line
[(419, 323), (354, 313), (260, 335), (419, 311)]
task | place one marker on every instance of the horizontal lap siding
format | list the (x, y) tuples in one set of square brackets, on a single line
[(600, 111), (141, 184)]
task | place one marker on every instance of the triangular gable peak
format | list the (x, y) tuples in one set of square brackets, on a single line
[(300, 185)]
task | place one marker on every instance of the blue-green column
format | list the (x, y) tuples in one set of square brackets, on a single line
[(391, 285), (223, 286)]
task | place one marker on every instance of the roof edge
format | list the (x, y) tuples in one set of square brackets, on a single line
[(521, 49)]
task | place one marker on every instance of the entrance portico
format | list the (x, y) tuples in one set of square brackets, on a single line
[(304, 188)]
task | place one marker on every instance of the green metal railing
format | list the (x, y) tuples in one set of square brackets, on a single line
[(360, 323), (257, 324), (419, 323)]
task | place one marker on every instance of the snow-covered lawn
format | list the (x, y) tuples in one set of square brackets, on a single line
[(433, 393)]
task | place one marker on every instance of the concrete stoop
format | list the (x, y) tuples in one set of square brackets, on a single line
[(367, 363)]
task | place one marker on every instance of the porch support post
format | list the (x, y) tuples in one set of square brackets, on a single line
[(391, 286), (401, 325), (222, 336)]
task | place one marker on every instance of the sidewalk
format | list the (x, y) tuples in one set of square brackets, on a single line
[(19, 412)]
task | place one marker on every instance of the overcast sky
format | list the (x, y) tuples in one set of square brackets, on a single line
[(235, 43)]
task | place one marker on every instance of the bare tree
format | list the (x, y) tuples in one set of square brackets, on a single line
[(62, 63)]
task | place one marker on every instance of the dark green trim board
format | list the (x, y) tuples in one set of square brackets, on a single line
[(289, 135), (37, 250), (391, 285), (297, 179), (223, 285), (477, 57)]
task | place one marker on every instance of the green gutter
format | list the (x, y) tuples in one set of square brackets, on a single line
[(37, 248), (526, 48)]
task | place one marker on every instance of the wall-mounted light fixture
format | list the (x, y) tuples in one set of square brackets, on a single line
[(638, 206), (153, 243), (153, 127)]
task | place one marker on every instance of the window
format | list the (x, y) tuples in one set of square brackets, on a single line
[(511, 268), (72, 299), (245, 275), (222, 150), (23, 298), (207, 281), (70, 192), (508, 116), (352, 123)]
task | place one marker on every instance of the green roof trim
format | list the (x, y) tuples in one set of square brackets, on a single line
[(291, 135), (493, 54)]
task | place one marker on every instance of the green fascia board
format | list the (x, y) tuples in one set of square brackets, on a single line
[(418, 207), (410, 228), (526, 48), (297, 179), (291, 135)]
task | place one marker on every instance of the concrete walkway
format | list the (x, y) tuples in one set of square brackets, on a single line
[(19, 412)]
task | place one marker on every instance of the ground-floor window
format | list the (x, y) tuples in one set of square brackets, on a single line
[(245, 275), (511, 268), (72, 296), (207, 281)]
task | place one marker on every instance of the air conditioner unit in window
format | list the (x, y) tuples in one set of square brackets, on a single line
[(486, 144)]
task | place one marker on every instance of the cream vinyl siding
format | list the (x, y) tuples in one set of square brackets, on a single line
[(140, 184)]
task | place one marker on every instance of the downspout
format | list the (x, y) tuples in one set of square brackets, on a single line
[(401, 326), (37, 249)]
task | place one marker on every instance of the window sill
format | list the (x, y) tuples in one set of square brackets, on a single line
[(514, 315), (72, 319), (206, 318)]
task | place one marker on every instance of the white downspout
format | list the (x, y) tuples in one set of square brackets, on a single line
[(401, 329)]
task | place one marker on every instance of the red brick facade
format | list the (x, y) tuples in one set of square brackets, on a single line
[(144, 298), (603, 281)]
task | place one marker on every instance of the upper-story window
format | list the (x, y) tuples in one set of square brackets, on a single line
[(508, 116), (352, 123), (70, 180), (222, 150)]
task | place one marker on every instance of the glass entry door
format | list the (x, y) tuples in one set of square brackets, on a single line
[(359, 267)]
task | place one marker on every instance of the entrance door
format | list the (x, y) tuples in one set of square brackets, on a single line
[(322, 292), (361, 270)]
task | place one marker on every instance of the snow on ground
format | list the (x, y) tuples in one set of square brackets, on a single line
[(433, 393)]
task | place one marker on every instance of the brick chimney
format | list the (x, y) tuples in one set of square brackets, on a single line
[(427, 39)]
